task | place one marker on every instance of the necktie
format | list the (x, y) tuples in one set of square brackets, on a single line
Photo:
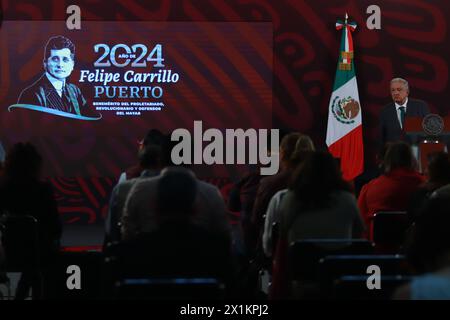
[(402, 115)]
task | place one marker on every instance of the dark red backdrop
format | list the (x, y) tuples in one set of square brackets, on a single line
[(412, 43)]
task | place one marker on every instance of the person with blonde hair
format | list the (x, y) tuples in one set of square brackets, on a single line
[(303, 147), (268, 186), (318, 205)]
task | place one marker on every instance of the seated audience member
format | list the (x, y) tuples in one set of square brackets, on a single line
[(241, 199), (319, 204), (371, 171), (179, 246), (139, 214), (153, 137), (429, 253), (268, 187), (442, 191), (303, 148), (23, 193), (445, 190), (391, 191), (438, 172), (150, 160)]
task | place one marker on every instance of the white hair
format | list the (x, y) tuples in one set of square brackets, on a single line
[(401, 80)]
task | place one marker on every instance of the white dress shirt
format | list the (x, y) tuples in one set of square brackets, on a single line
[(399, 115), (56, 83)]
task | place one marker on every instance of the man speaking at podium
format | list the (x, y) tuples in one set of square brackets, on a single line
[(393, 115)]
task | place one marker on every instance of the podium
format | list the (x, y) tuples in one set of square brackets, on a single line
[(424, 143)]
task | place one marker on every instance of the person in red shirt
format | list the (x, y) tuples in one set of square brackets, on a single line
[(392, 190)]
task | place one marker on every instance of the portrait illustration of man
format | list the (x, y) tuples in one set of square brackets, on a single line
[(52, 90)]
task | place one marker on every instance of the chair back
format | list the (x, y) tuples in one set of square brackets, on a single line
[(129, 272), (170, 288), (304, 255), (331, 268)]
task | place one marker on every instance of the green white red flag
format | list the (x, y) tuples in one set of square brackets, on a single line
[(344, 130)]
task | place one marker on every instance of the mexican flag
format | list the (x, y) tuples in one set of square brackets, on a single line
[(344, 130)]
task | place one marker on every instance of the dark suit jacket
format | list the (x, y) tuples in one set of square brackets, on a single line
[(389, 124), (42, 93)]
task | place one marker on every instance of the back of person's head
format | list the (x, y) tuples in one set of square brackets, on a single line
[(23, 162), (166, 156), (59, 43), (287, 145), (150, 156), (430, 247), (316, 178), (156, 142), (153, 137), (439, 168), (177, 190), (303, 147), (398, 155)]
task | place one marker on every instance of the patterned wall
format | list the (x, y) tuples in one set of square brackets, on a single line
[(412, 43)]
